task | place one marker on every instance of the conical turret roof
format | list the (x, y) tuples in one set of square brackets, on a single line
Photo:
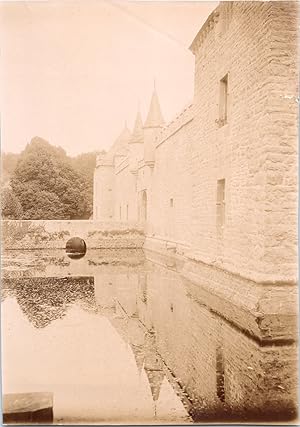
[(154, 118), (124, 137), (137, 136), (121, 142)]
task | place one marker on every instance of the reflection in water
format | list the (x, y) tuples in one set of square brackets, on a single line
[(220, 374), (45, 299), (143, 286), (56, 263), (134, 345), (75, 255)]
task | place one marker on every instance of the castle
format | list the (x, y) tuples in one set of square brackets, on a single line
[(218, 185)]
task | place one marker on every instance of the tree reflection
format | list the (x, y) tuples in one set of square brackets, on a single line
[(46, 299)]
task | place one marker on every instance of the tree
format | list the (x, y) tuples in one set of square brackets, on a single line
[(85, 165), (47, 185), (10, 206)]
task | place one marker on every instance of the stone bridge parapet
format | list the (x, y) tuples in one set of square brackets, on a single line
[(46, 234)]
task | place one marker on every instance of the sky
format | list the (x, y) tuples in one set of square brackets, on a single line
[(73, 72)]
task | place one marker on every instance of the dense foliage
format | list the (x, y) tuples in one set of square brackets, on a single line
[(10, 206), (47, 184), (85, 164)]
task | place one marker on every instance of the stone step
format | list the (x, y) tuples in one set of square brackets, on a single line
[(29, 408)]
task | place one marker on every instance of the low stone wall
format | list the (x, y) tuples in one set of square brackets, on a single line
[(40, 234)]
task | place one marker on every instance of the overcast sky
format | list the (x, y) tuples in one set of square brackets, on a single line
[(72, 72)]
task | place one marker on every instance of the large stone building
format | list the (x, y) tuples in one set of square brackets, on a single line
[(218, 185)]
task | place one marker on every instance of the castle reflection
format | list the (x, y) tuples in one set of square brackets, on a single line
[(196, 365), (221, 373)]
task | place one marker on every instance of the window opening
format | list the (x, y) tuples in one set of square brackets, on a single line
[(223, 102), (220, 206)]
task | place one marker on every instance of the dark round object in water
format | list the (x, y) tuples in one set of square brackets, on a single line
[(75, 256), (76, 247)]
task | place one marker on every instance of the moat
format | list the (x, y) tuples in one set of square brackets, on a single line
[(119, 338)]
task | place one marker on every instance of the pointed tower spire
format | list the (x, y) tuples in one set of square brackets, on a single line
[(124, 136), (125, 133), (153, 366), (138, 132), (120, 145), (154, 118), (155, 379)]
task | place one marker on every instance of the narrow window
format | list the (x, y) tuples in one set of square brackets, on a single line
[(171, 203), (223, 103), (127, 212), (220, 373), (220, 206), (120, 212)]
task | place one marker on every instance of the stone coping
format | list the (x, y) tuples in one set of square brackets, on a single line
[(26, 402)]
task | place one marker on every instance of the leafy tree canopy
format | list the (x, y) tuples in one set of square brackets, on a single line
[(10, 206), (51, 185), (85, 165)]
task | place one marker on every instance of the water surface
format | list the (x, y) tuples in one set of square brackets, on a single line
[(117, 338)]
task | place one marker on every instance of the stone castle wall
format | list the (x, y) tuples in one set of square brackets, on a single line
[(252, 155), (104, 186), (125, 204), (171, 186), (254, 44)]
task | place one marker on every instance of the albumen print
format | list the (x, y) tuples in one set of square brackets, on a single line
[(149, 212)]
